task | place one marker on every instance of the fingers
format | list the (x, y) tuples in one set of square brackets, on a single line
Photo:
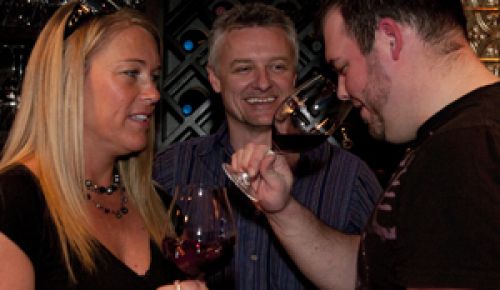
[(193, 285), (249, 159), (185, 285), (270, 177), (267, 160)]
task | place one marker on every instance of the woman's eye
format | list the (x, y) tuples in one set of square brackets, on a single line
[(131, 73)]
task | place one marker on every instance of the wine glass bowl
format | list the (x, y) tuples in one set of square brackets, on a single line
[(304, 120), (309, 116), (205, 230)]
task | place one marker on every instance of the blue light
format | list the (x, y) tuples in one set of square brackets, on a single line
[(187, 110), (188, 45)]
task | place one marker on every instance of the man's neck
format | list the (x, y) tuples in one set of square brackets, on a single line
[(463, 75), (428, 82), (240, 135)]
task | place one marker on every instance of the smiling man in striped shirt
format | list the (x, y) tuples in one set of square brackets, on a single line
[(252, 64)]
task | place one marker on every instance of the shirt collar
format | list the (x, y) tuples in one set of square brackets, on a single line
[(219, 141), (449, 112)]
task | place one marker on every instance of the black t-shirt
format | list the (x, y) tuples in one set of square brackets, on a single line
[(438, 222), (25, 219)]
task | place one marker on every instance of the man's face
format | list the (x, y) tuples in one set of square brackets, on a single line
[(362, 78), (255, 71)]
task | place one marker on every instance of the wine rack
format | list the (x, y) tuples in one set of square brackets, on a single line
[(483, 31)]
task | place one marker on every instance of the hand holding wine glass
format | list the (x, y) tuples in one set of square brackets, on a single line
[(303, 121), (205, 227), (270, 175)]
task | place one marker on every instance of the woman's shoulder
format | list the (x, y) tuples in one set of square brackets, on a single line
[(20, 195), (17, 179), (22, 208)]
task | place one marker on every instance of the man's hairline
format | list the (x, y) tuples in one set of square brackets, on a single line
[(229, 29)]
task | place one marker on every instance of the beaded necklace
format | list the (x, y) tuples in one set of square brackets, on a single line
[(109, 190)]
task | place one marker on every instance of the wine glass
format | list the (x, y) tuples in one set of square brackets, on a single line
[(205, 230), (303, 121)]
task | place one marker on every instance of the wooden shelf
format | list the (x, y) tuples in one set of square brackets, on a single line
[(490, 59), (481, 8)]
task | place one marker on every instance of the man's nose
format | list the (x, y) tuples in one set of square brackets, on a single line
[(341, 90), (263, 80)]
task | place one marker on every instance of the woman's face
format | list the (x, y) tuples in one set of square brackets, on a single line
[(120, 93)]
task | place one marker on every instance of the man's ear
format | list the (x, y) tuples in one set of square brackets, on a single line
[(213, 79), (391, 30)]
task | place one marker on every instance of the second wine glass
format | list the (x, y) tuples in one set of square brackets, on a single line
[(205, 230)]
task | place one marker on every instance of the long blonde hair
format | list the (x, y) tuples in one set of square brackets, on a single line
[(48, 128)]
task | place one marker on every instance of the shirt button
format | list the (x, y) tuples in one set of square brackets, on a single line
[(253, 257)]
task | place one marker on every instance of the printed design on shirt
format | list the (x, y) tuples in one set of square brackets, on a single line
[(384, 208)]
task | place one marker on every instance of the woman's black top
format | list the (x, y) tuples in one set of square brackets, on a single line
[(25, 219)]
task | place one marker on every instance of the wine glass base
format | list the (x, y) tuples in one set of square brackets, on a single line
[(241, 180)]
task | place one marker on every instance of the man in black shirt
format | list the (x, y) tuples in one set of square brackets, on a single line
[(409, 69)]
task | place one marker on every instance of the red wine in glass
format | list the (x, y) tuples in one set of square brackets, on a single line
[(296, 142), (303, 121), (197, 258), (205, 230)]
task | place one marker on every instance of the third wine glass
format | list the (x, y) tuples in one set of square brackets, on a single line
[(303, 121)]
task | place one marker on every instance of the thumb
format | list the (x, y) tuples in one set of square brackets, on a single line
[(275, 170), (268, 161)]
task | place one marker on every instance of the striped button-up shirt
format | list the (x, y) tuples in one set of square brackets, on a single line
[(334, 184)]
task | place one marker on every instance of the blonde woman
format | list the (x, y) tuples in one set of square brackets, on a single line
[(78, 208)]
